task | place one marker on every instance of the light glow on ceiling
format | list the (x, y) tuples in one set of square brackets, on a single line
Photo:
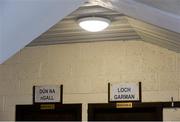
[(94, 24)]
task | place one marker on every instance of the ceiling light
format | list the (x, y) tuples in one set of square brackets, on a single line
[(94, 24)]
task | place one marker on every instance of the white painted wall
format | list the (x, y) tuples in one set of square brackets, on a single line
[(171, 114), (1, 24), (85, 69), (24, 20), (170, 6), (148, 13)]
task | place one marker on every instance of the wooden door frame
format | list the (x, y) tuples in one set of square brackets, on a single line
[(57, 107), (92, 107)]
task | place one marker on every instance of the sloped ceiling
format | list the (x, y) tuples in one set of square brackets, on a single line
[(161, 18), (170, 6), (68, 31), (156, 15), (156, 35), (121, 28), (22, 21)]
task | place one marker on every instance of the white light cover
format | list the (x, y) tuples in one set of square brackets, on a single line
[(94, 24)]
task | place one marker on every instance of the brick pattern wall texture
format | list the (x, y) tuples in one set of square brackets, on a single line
[(85, 69)]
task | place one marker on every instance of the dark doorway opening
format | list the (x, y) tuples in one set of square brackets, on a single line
[(55, 112), (139, 112)]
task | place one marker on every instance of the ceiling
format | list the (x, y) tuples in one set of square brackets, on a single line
[(121, 28), (165, 5), (156, 35), (68, 31), (40, 15), (21, 21), (35, 17)]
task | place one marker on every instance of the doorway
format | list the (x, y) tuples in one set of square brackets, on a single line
[(49, 112), (138, 112)]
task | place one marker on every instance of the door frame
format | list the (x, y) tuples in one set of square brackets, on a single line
[(98, 106), (77, 108)]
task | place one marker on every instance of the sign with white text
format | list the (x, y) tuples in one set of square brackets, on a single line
[(47, 94), (124, 92)]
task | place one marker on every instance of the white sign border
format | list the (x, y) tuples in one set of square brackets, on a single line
[(112, 101), (60, 97)]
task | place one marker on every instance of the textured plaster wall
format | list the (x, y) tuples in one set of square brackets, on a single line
[(85, 69)]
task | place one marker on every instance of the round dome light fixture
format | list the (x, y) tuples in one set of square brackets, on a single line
[(94, 24)]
